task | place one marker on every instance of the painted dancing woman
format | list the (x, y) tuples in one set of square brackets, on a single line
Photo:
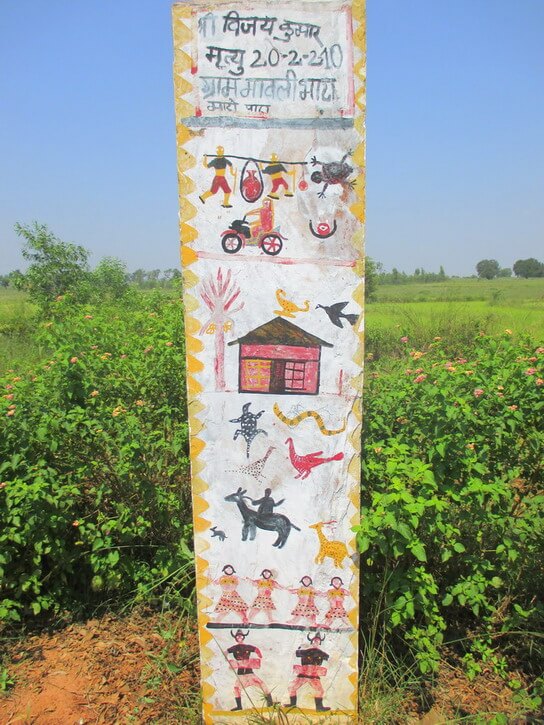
[(336, 596), (306, 607), (230, 600), (263, 601)]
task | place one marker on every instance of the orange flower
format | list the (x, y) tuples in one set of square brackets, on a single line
[(508, 332), (139, 403), (75, 523), (3, 484), (16, 380), (170, 344), (73, 360), (539, 381), (10, 413), (117, 411), (88, 317), (471, 446), (420, 378), (478, 392), (94, 393), (148, 349), (10, 396)]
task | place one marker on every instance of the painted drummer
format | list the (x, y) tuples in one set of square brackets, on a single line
[(230, 600), (245, 659), (336, 596), (306, 607), (220, 164), (263, 601), (277, 173), (310, 671)]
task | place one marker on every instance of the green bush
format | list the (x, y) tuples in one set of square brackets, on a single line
[(451, 530), (94, 498)]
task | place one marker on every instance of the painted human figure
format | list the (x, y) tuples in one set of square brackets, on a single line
[(265, 218), (309, 672), (230, 600), (220, 164), (245, 659), (306, 607), (263, 601), (277, 173), (266, 504), (336, 596)]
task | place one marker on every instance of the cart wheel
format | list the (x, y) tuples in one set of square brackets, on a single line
[(271, 244), (231, 243)]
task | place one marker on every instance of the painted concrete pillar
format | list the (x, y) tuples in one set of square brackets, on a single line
[(269, 101)]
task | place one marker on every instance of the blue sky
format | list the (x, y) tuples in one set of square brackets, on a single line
[(455, 155)]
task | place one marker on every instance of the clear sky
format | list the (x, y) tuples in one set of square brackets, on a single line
[(455, 154)]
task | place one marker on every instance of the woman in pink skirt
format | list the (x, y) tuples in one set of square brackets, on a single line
[(306, 607), (263, 601), (230, 600), (336, 596)]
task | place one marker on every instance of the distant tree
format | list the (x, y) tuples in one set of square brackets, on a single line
[(441, 273), (528, 268), (371, 279), (4, 280), (487, 268), (16, 279), (505, 272), (109, 278), (55, 268)]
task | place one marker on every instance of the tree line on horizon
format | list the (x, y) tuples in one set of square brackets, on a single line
[(56, 267)]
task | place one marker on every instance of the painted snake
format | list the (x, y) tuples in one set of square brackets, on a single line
[(307, 414)]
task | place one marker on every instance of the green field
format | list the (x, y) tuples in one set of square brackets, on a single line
[(457, 309)]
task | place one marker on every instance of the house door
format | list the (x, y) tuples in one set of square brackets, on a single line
[(277, 376)]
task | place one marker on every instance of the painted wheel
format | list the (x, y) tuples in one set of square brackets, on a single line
[(272, 244), (231, 243)]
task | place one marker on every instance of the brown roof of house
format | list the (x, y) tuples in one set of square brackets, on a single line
[(281, 332)]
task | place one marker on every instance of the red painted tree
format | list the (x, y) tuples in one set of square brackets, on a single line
[(219, 295)]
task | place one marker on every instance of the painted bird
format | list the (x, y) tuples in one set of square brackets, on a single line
[(335, 314), (304, 464)]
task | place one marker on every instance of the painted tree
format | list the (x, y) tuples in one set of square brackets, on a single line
[(219, 295)]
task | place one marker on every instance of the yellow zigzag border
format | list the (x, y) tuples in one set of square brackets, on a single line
[(183, 37), (182, 16)]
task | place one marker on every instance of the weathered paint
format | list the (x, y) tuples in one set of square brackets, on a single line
[(269, 106)]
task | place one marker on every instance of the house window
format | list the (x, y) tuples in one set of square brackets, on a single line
[(256, 374), (294, 375)]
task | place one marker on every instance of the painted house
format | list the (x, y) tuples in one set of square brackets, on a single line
[(279, 357)]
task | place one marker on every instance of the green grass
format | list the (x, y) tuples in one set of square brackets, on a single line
[(456, 310)]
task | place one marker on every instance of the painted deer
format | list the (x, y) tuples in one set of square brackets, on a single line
[(304, 464), (335, 550), (253, 520)]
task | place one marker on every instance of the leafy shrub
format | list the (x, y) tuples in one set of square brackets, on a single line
[(451, 530), (94, 494)]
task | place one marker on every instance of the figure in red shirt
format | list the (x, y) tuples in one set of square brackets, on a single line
[(246, 658), (310, 671)]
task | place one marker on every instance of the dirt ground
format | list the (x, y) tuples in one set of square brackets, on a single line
[(143, 669)]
